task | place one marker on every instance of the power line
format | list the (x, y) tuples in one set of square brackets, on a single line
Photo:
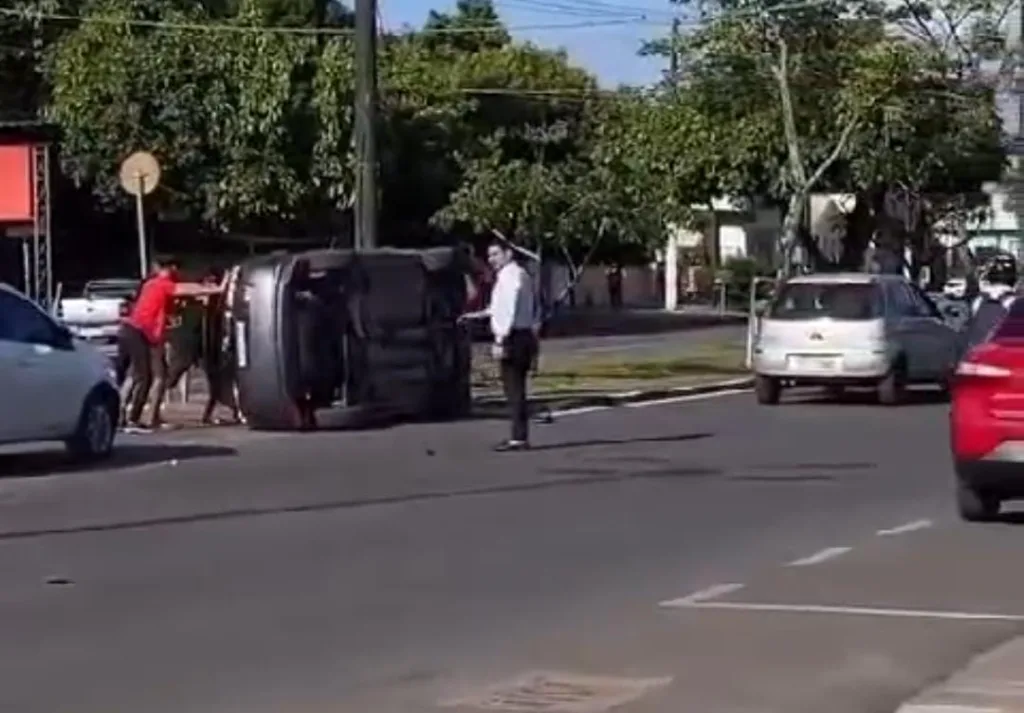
[(214, 27), (567, 7), (603, 4)]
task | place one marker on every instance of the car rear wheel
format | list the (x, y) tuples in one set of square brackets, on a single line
[(767, 389), (93, 438), (892, 389), (975, 506)]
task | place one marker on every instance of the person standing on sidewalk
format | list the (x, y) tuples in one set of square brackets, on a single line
[(143, 333), (513, 317)]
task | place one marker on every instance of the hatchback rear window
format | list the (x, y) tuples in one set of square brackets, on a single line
[(838, 300)]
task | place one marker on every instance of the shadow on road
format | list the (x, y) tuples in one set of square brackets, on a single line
[(582, 479), (1014, 517), (798, 472), (866, 397), (28, 464), (622, 442)]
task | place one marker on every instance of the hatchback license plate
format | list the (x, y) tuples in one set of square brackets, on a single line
[(814, 363)]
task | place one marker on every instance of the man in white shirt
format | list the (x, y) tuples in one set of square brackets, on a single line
[(513, 317)]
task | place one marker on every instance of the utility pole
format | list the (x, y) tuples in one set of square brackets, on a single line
[(366, 124), (673, 67)]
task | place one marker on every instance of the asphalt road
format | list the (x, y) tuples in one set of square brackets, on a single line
[(401, 569)]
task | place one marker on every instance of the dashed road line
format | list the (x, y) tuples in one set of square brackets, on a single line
[(946, 708), (821, 556), (846, 610), (905, 528), (704, 595)]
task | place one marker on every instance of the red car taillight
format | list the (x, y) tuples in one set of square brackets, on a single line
[(974, 370), (988, 399)]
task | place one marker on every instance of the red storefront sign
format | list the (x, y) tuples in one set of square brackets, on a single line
[(17, 184)]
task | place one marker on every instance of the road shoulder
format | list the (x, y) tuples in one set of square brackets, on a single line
[(991, 683)]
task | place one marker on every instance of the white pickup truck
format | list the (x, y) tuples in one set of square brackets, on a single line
[(95, 317)]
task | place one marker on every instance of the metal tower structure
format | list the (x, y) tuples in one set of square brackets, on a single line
[(42, 289)]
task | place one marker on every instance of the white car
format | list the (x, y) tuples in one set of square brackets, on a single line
[(95, 316), (851, 329), (53, 387)]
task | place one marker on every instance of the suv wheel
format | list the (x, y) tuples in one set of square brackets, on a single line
[(767, 389), (892, 389)]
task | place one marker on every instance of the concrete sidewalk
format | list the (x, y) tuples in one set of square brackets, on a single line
[(991, 683)]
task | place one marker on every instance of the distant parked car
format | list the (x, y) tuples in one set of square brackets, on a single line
[(987, 420), (55, 388), (851, 329)]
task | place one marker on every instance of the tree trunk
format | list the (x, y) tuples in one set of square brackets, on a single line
[(789, 236), (860, 226)]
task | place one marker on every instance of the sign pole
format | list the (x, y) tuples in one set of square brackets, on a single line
[(366, 124), (139, 176), (140, 218)]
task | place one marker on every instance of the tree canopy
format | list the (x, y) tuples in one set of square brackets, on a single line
[(248, 105)]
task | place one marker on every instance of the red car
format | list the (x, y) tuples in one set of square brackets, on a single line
[(987, 420)]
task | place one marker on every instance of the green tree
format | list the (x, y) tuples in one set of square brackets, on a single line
[(475, 25), (228, 113)]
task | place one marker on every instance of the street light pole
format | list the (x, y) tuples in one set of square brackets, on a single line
[(366, 124)]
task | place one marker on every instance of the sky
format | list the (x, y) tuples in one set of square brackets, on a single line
[(602, 36)]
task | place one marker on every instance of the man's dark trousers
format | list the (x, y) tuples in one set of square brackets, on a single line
[(520, 348)]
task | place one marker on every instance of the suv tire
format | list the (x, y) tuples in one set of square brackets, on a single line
[(893, 388), (767, 389), (975, 506)]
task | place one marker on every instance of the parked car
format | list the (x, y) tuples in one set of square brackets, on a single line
[(55, 388), (96, 315), (851, 329), (987, 420)]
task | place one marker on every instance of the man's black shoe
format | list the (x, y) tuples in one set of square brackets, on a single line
[(506, 446)]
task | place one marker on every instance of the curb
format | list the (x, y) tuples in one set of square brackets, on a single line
[(624, 398), (990, 683)]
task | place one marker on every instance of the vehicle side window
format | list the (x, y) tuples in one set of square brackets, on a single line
[(21, 322)]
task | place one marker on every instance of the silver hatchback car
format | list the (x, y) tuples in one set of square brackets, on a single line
[(851, 329)]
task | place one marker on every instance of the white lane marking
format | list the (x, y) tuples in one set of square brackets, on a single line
[(687, 397), (852, 611), (905, 528), (719, 590), (820, 556), (579, 411), (945, 708), (999, 689)]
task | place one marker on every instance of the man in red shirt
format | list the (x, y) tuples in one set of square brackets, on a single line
[(144, 331)]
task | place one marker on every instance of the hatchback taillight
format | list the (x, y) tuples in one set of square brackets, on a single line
[(982, 371)]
